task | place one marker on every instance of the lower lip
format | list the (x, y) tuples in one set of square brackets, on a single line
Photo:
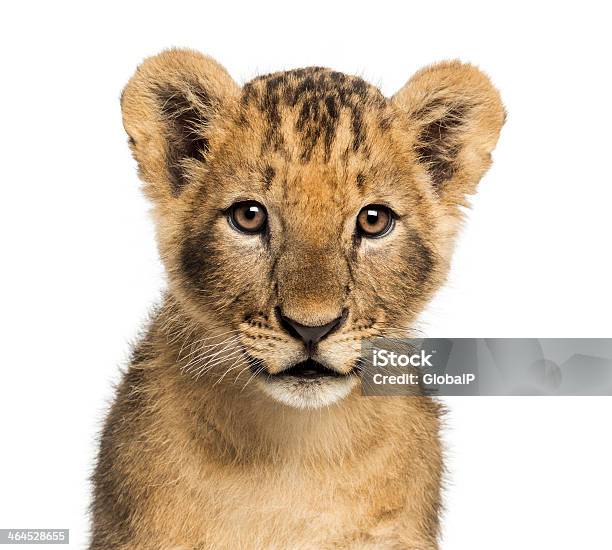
[(307, 373)]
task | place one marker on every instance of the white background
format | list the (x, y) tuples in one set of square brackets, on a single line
[(80, 269)]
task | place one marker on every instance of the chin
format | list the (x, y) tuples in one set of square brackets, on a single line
[(308, 385)]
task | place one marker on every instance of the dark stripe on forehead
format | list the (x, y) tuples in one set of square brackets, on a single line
[(268, 175), (360, 180), (270, 106), (333, 114), (320, 96)]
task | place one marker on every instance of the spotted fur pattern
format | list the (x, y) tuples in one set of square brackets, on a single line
[(197, 453)]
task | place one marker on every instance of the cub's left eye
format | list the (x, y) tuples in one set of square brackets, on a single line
[(375, 220), (248, 217)]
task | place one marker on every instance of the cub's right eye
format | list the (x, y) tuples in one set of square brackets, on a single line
[(248, 217)]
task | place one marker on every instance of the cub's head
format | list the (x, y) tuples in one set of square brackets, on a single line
[(305, 212)]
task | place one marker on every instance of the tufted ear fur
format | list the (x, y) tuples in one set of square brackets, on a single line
[(456, 115), (169, 108)]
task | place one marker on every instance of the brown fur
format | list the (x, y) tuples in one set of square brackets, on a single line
[(194, 455)]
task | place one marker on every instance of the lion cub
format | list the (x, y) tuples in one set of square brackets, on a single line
[(296, 216)]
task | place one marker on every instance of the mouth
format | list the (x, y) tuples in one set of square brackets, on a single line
[(308, 369), (305, 385)]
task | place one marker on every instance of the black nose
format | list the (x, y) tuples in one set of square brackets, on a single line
[(309, 334)]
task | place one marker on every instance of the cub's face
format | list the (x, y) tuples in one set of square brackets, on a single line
[(305, 212)]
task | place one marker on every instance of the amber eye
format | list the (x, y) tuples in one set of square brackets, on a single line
[(375, 221), (248, 216)]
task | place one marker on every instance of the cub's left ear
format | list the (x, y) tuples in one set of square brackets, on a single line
[(455, 115)]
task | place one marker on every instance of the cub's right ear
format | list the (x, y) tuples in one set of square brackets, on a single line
[(169, 108)]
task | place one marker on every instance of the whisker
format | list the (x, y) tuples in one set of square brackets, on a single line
[(204, 354), (255, 373), (237, 364), (202, 369)]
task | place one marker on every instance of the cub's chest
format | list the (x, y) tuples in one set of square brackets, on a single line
[(292, 508)]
